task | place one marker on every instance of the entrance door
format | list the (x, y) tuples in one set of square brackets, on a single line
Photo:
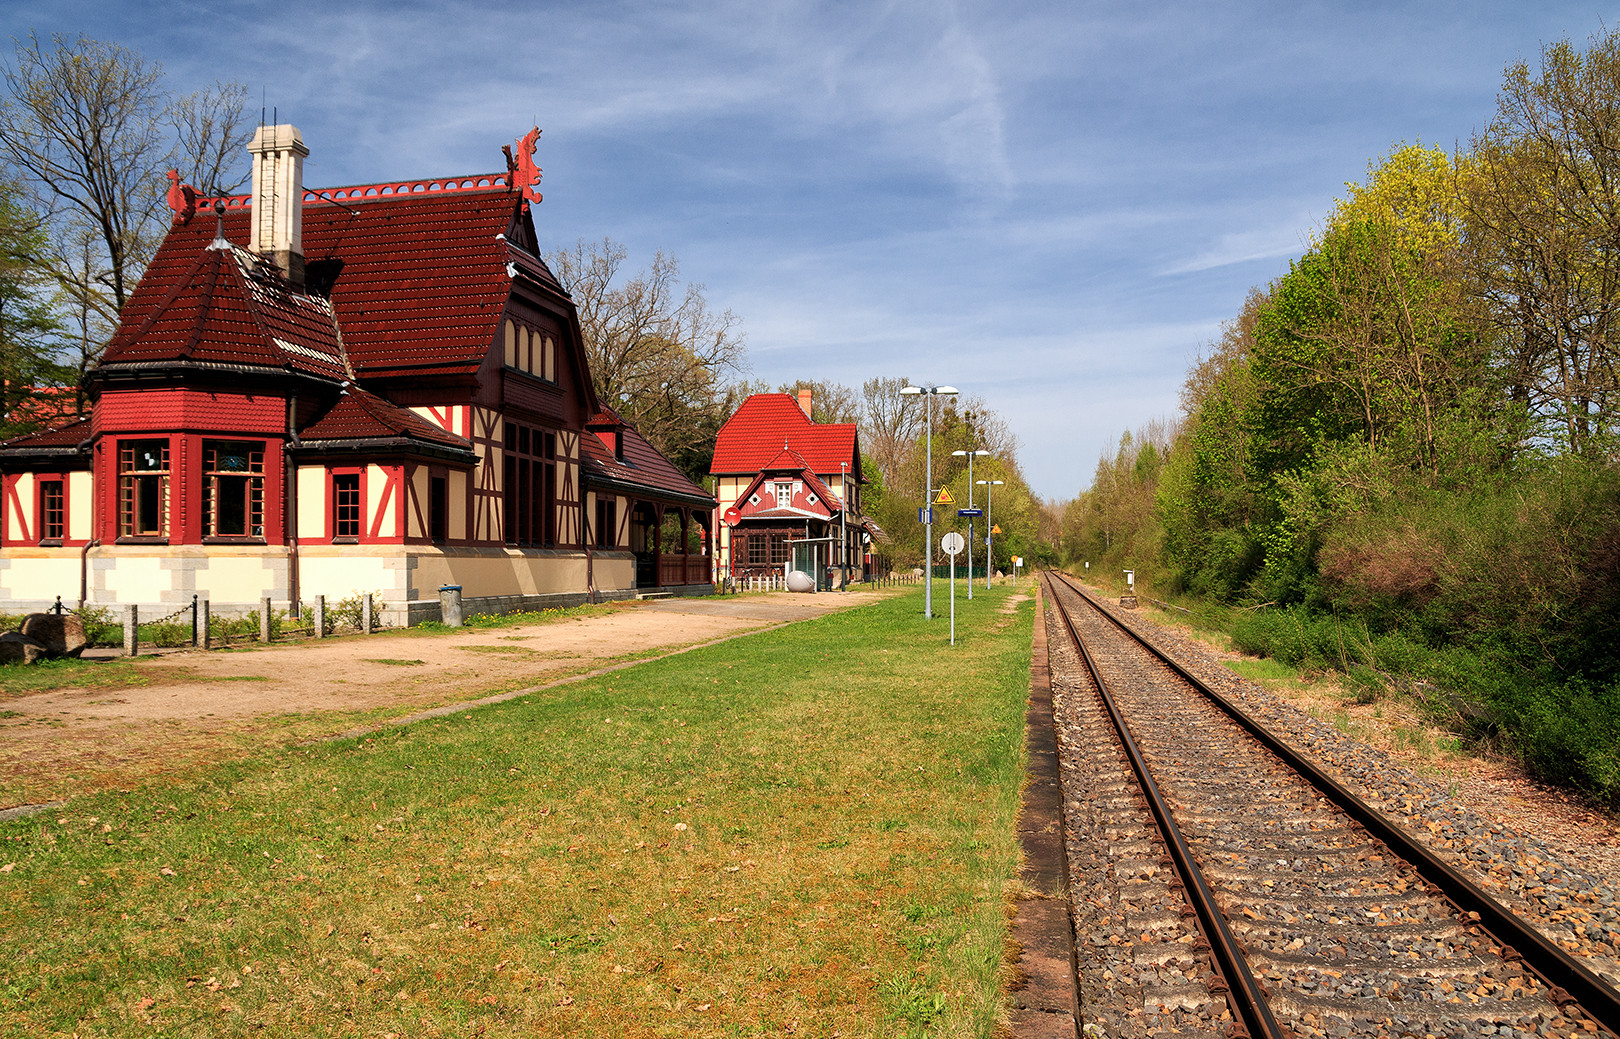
[(643, 542)]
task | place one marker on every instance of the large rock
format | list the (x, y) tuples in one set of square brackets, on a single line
[(17, 648), (62, 634)]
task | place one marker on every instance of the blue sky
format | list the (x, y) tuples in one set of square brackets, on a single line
[(1051, 206)]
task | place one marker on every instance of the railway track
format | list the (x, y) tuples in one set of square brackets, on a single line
[(1226, 886)]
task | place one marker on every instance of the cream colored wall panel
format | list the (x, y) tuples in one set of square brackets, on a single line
[(614, 574), (340, 576), (311, 502), (239, 579), (502, 572), (551, 359), (40, 575), (510, 356), (23, 523), (376, 486), (81, 490), (135, 579), (456, 492), (416, 514)]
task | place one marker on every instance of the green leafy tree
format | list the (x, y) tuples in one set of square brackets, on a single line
[(1542, 198), (30, 374)]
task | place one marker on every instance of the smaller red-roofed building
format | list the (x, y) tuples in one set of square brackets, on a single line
[(378, 388), (789, 493)]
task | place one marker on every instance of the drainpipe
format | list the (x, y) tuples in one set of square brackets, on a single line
[(289, 479), (590, 559), (95, 519)]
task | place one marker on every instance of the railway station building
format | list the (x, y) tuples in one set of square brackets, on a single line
[(379, 388), (789, 491)]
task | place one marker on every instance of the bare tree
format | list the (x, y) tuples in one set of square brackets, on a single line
[(658, 353), (211, 130), (890, 424), (89, 127), (829, 401)]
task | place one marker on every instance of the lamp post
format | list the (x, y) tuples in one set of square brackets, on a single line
[(843, 530), (929, 393), (970, 456), (989, 525)]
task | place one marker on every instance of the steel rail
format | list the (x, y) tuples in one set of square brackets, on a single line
[(1244, 995), (1570, 982)]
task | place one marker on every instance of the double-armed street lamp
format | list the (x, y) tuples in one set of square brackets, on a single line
[(843, 530), (970, 456), (989, 526), (927, 516)]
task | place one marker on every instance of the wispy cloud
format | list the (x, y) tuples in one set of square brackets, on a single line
[(1235, 247), (1052, 205)]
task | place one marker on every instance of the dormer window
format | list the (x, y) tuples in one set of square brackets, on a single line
[(784, 495)]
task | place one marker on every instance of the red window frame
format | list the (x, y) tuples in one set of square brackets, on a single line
[(52, 514), (137, 481), (341, 513)]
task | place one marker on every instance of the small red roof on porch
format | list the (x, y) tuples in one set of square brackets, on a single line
[(642, 465), (359, 415)]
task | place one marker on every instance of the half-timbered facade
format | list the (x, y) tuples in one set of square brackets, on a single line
[(790, 493), (320, 392)]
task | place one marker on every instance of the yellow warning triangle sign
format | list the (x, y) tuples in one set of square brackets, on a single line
[(944, 497), (996, 529)]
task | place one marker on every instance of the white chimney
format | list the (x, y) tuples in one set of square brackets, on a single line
[(278, 198)]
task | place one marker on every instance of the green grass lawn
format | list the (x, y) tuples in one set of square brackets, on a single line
[(805, 832)]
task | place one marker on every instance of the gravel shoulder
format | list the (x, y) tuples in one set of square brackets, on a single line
[(1541, 851)]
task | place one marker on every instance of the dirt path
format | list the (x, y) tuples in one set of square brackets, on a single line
[(183, 708)]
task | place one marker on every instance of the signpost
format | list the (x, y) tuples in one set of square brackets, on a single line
[(952, 543), (731, 517)]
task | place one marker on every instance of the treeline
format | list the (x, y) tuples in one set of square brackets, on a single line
[(1410, 437)]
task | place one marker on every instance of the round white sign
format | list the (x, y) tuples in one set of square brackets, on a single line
[(952, 543)]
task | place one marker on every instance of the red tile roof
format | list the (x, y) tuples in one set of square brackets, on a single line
[(426, 269), (70, 434), (359, 415), (222, 305), (43, 406), (767, 423), (642, 466)]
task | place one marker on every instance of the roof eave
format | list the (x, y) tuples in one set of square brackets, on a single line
[(385, 446)]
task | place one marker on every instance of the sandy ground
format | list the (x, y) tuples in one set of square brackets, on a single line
[(197, 706)]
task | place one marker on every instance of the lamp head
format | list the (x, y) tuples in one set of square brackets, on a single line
[(911, 391)]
